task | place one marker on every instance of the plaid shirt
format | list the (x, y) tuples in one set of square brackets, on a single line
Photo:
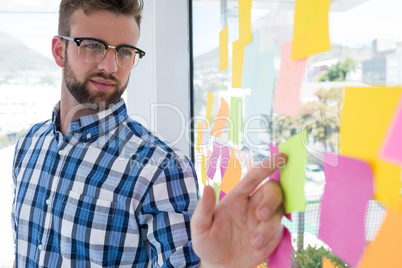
[(107, 194)]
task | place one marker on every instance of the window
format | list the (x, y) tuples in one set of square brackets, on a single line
[(365, 49), (29, 88)]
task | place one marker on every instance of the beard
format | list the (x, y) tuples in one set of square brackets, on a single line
[(96, 100)]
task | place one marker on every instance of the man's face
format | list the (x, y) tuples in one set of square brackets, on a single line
[(104, 82)]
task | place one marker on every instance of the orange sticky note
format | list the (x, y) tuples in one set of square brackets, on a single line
[(210, 102), (223, 48), (232, 174), (362, 131), (221, 119), (385, 250), (327, 263), (237, 63), (310, 30)]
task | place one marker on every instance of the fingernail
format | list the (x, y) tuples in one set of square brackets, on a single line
[(258, 240), (265, 213)]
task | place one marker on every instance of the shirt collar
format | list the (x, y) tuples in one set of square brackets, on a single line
[(95, 125)]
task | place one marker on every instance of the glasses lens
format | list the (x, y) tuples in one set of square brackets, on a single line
[(127, 57), (91, 51)]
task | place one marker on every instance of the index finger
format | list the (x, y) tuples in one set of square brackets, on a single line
[(258, 173)]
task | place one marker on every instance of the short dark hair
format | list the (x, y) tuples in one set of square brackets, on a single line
[(119, 7)]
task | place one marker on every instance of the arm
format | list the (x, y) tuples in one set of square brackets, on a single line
[(242, 230)]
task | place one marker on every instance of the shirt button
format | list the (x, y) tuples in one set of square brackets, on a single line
[(89, 135), (47, 201), (40, 247), (61, 152)]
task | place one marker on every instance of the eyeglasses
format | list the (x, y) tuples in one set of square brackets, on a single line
[(93, 50)]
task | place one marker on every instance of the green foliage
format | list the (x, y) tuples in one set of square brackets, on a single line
[(339, 71), (4, 141), (311, 257)]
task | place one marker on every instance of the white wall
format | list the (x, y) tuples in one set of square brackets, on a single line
[(159, 89)]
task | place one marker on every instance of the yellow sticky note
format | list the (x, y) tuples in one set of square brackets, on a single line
[(385, 250), (199, 137), (221, 119), (210, 102), (204, 169), (245, 36), (237, 63), (310, 30), (223, 48), (327, 263), (366, 116), (232, 174)]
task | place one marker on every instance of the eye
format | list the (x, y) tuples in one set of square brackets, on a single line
[(127, 52)]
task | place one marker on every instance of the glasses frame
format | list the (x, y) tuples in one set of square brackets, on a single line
[(78, 41)]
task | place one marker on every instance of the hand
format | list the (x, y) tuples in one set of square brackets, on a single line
[(243, 229)]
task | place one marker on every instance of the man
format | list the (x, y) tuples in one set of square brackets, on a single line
[(93, 188)]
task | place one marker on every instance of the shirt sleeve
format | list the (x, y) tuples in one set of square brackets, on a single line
[(167, 211)]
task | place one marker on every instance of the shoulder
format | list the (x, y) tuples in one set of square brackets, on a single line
[(34, 132)]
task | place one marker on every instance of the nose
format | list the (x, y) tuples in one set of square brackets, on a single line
[(108, 64)]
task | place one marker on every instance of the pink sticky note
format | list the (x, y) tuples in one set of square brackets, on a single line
[(225, 157), (348, 188), (287, 90), (276, 175), (221, 195), (281, 257), (392, 146), (213, 162)]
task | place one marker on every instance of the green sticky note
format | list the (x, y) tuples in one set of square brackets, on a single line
[(292, 175), (235, 119), (217, 192)]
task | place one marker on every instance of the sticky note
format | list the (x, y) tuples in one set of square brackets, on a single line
[(217, 192), (245, 35), (225, 158), (237, 63), (293, 174), (223, 48), (385, 250), (392, 144), (287, 90), (232, 174), (199, 137), (327, 263), (221, 119), (281, 257), (213, 162), (210, 102), (362, 131), (348, 188), (235, 119), (310, 30), (203, 169), (221, 195)]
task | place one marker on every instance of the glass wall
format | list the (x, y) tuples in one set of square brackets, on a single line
[(366, 49), (29, 88)]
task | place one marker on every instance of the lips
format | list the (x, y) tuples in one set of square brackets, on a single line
[(102, 84)]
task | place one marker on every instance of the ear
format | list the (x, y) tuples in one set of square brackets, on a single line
[(58, 50)]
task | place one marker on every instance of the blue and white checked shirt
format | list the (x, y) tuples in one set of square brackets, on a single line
[(107, 194)]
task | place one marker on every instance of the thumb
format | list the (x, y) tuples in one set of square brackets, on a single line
[(204, 212)]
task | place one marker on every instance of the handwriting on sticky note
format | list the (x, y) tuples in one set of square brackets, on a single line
[(287, 90)]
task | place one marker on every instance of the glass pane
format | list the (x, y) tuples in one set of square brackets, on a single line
[(365, 50)]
